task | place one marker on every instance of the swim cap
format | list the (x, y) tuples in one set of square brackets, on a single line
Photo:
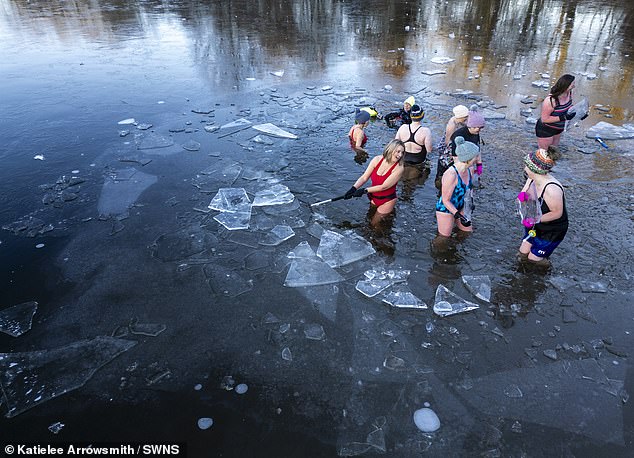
[(460, 111), (465, 150), (410, 100), (362, 116), (417, 112)]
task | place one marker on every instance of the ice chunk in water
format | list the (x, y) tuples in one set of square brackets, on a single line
[(434, 72), (272, 129), (154, 141), (448, 303), (608, 131), (226, 282), (314, 331), (310, 272), (426, 420), (478, 285), (231, 200), (234, 221), (541, 83), (31, 378), (237, 123), (404, 299), (593, 287), (373, 287), (118, 194), (276, 195), (191, 145), (17, 320), (442, 60), (338, 249), (302, 250), (277, 235), (205, 423)]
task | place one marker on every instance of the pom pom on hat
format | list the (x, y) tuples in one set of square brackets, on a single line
[(417, 112), (460, 111), (465, 150), (410, 100)]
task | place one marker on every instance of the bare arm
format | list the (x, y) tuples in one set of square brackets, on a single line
[(391, 180), (449, 182), (449, 130), (428, 143), (358, 140), (554, 198), (526, 185), (366, 175), (547, 109)]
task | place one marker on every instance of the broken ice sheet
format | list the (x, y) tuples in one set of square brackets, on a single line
[(593, 287), (118, 194), (234, 221), (237, 123), (434, 72), (448, 303), (154, 141), (310, 272), (272, 129), (302, 250), (17, 320), (226, 282), (276, 195), (608, 131), (338, 249), (314, 331), (182, 244), (191, 145), (478, 285), (31, 378), (146, 329), (371, 288), (231, 200), (403, 298), (277, 235)]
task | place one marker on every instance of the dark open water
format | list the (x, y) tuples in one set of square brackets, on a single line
[(72, 70)]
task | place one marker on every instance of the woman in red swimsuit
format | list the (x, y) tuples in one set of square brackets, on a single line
[(356, 135), (384, 172)]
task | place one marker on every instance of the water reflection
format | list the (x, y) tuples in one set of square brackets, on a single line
[(356, 42)]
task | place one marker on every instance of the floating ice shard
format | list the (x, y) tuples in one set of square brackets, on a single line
[(118, 194), (147, 329), (371, 288), (231, 200), (426, 420), (593, 287), (127, 121), (277, 194), (442, 60), (242, 122), (339, 249), (314, 331), (234, 220), (17, 320), (191, 145), (302, 250), (56, 427), (278, 73), (541, 83), (477, 58), (478, 285), (242, 388), (226, 282), (272, 129), (434, 72), (608, 131), (492, 114), (310, 272), (154, 141), (448, 303), (286, 354), (277, 235), (403, 299), (31, 378), (205, 423), (513, 391)]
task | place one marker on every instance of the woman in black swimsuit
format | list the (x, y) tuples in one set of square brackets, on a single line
[(417, 138)]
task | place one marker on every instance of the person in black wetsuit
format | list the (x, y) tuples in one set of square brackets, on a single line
[(417, 138), (542, 237), (402, 115), (470, 133)]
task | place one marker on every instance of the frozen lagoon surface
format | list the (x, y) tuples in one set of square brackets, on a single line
[(144, 292)]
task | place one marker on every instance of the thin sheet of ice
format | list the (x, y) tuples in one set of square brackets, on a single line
[(17, 320), (434, 72), (117, 196), (153, 140), (277, 194), (404, 300), (339, 249), (478, 285), (234, 221), (371, 288), (237, 123), (225, 281), (277, 235), (302, 250), (272, 129), (442, 60), (31, 378), (608, 131), (310, 272), (492, 114), (231, 200), (448, 303)]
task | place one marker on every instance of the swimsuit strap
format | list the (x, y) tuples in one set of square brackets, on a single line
[(546, 185)]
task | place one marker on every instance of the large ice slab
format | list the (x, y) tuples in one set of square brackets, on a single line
[(379, 280), (448, 303), (339, 249), (272, 129), (302, 250), (478, 285), (31, 378), (277, 194), (16, 320), (310, 272), (235, 208), (608, 131)]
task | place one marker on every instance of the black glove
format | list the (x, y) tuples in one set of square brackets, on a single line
[(359, 192), (570, 115), (349, 193), (464, 221), (584, 116)]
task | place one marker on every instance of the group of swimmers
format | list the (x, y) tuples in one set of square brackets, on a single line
[(460, 162)]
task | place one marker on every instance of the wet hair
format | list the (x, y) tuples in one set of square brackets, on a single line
[(561, 86), (391, 147)]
